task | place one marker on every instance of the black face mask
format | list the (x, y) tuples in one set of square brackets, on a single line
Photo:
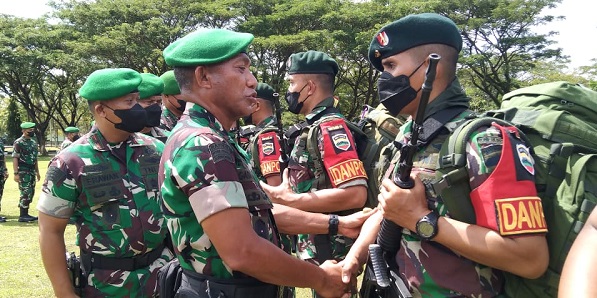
[(154, 113), (395, 93), (132, 120), (75, 137), (31, 134), (292, 98), (182, 104)]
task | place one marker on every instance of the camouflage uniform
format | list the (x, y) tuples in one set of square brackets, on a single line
[(65, 144), (201, 162), (112, 193), (256, 141), (26, 152), (303, 177), (431, 269), (159, 133), (3, 172), (168, 120)]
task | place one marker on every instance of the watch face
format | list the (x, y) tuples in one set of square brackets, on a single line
[(425, 229)]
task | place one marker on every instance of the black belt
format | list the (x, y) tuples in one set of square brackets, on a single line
[(198, 285), (94, 261), (26, 166)]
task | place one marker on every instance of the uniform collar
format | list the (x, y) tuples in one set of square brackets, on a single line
[(99, 143), (269, 121), (453, 96), (199, 114), (319, 108)]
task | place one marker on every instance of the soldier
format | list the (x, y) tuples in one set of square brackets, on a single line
[(26, 171), (313, 185), (71, 134), (440, 256), (3, 175), (108, 183), (150, 91), (264, 147), (173, 103), (220, 219)]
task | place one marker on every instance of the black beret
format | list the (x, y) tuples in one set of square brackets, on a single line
[(312, 62), (265, 91), (412, 31)]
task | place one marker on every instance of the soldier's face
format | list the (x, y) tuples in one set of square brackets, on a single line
[(234, 86), (150, 101), (405, 63)]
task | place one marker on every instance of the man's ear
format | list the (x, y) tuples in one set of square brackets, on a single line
[(312, 87), (257, 106), (203, 76), (99, 110)]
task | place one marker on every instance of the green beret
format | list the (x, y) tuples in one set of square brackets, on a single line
[(26, 125), (206, 46), (265, 91), (150, 85), (412, 31), (312, 62), (110, 83), (170, 83), (71, 129)]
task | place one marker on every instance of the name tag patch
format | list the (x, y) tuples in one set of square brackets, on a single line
[(520, 216), (346, 171)]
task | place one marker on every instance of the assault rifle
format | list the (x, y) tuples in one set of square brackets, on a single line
[(382, 255), (282, 141)]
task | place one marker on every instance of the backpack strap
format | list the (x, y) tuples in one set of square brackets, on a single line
[(434, 124)]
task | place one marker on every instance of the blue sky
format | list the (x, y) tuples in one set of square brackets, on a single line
[(577, 32)]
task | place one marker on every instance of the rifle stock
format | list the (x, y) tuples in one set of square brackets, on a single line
[(390, 234)]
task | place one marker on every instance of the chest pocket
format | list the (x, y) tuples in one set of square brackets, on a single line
[(148, 166), (106, 197)]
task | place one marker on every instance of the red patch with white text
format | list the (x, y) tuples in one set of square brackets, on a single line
[(340, 158), (269, 153)]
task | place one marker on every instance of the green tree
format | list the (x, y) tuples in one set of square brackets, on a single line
[(500, 46), (13, 123)]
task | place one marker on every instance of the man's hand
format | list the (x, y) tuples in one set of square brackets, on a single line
[(281, 194), (37, 175), (6, 175), (351, 268), (350, 225), (332, 285), (16, 178), (403, 206)]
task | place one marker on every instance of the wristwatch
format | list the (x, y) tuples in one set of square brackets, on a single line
[(333, 225), (427, 226)]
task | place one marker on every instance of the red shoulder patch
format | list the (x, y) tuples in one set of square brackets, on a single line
[(340, 157), (269, 153)]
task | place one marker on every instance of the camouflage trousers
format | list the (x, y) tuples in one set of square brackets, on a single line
[(26, 188)]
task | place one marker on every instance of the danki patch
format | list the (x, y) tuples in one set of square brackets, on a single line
[(383, 39), (339, 155), (269, 153), (520, 216), (525, 158)]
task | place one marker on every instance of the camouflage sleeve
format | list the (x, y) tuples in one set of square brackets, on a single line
[(59, 191), (205, 171), (483, 152), (16, 150), (502, 180)]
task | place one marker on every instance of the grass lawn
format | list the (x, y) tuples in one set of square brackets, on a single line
[(22, 273)]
